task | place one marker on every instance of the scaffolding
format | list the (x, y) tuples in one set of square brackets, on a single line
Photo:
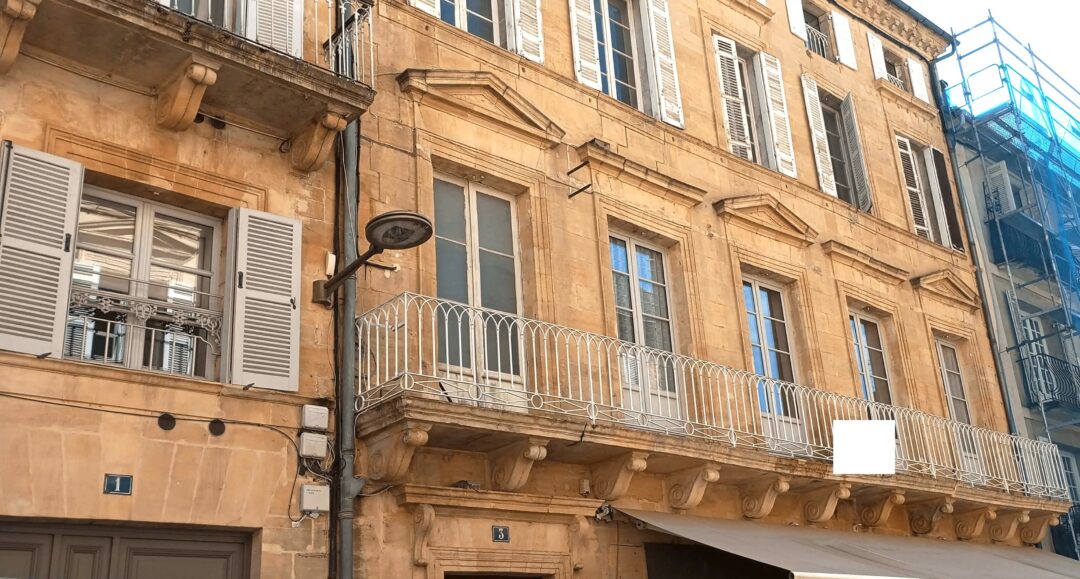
[(1014, 124)]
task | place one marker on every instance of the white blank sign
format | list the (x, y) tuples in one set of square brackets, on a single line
[(864, 447)]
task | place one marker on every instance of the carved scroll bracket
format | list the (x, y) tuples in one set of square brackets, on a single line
[(178, 100), (686, 488), (924, 517), (1034, 531), (15, 15), (1006, 524), (511, 465), (757, 499), (819, 506), (312, 146), (876, 511), (423, 518), (390, 452), (612, 477), (970, 524)]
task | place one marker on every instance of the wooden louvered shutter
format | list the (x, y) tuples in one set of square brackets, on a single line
[(264, 297), (935, 197), (877, 55), (39, 212), (861, 178), (667, 98), (731, 86), (583, 36), (819, 138), (429, 6), (527, 29), (776, 112), (917, 74), (845, 44), (278, 24), (913, 185), (795, 18), (952, 216)]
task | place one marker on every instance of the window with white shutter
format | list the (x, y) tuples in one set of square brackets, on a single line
[(264, 295), (278, 24), (583, 41), (877, 55), (776, 112), (917, 75), (527, 29), (736, 94), (667, 99), (39, 205), (477, 17), (796, 20), (914, 184), (819, 138), (845, 44), (860, 177), (429, 6)]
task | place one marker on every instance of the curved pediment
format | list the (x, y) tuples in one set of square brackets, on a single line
[(766, 212), (483, 94)]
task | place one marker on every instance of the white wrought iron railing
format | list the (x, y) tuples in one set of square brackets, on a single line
[(896, 81), (421, 346), (817, 41)]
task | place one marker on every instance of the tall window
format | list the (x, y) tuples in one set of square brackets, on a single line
[(143, 276), (476, 265), (478, 17), (838, 150), (769, 345), (1072, 475), (954, 382), (1041, 372), (927, 187), (870, 359), (616, 44)]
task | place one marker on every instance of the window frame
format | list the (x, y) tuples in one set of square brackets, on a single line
[(757, 283), (461, 19), (861, 350), (755, 126), (845, 154), (636, 311), (607, 59), (942, 344)]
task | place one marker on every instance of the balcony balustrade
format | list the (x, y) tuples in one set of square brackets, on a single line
[(817, 41), (417, 346), (1052, 381), (896, 81)]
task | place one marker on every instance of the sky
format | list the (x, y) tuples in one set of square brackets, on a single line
[(1048, 25)]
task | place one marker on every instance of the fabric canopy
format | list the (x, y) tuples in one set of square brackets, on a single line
[(810, 553)]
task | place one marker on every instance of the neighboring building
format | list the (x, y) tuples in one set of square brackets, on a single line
[(1016, 127), (167, 190), (652, 220)]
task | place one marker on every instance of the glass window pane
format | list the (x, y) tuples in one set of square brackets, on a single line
[(625, 322), (961, 410), (481, 7), (755, 330), (782, 368), (871, 335), (618, 12), (877, 363), (776, 335), (448, 12), (948, 358), (481, 27), (650, 265), (449, 211), (451, 271), (182, 243), (881, 391), (956, 385), (493, 220), (759, 360), (653, 299), (178, 287), (619, 259), (657, 333), (622, 290), (775, 302), (98, 271), (748, 297), (498, 282), (106, 224)]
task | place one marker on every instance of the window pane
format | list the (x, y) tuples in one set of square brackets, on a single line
[(501, 344), (650, 265), (755, 330), (961, 410), (748, 297), (98, 271), (498, 283), (773, 304), (625, 322), (759, 360), (449, 211), (881, 391), (622, 290), (657, 333), (481, 7), (493, 220), (956, 385), (619, 259), (178, 287), (481, 27), (451, 271), (948, 358), (776, 335), (448, 12), (183, 243), (106, 224), (653, 299)]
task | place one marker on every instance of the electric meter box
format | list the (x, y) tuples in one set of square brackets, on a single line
[(313, 445), (315, 499), (314, 417)]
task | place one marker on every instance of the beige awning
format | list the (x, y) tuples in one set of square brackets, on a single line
[(810, 553)]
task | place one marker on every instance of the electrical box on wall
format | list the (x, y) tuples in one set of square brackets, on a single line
[(313, 445), (315, 499), (314, 417)]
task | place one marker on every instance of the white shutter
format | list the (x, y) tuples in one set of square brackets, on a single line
[(39, 212), (795, 18), (583, 37), (278, 24), (819, 138), (936, 197), (665, 79), (736, 120), (264, 294), (913, 185), (775, 109), (917, 74), (877, 55), (429, 6), (1000, 185), (853, 140), (845, 45), (527, 27)]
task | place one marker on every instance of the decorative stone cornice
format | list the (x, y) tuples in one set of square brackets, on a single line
[(970, 525), (390, 452), (1004, 527), (1034, 531), (511, 465), (946, 286), (864, 262), (423, 518), (819, 506), (458, 498), (600, 157), (611, 478), (312, 146), (757, 499), (178, 99), (686, 488), (15, 15), (766, 212), (876, 511), (899, 24)]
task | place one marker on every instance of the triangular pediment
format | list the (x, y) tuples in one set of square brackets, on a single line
[(482, 94), (948, 286), (768, 213)]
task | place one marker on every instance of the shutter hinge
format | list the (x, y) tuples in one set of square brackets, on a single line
[(240, 279), (292, 301), (67, 243)]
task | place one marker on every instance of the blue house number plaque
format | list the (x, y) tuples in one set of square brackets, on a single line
[(118, 484), (500, 534)]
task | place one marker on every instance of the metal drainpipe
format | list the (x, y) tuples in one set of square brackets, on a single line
[(969, 224)]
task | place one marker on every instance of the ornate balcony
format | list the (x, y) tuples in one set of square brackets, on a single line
[(817, 42), (471, 378), (1052, 381)]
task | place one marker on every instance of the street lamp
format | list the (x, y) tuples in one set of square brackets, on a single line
[(391, 230)]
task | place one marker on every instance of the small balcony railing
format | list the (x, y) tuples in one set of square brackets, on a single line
[(1052, 380), (896, 81), (817, 41), (420, 346)]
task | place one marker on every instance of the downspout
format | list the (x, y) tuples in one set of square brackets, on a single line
[(984, 285)]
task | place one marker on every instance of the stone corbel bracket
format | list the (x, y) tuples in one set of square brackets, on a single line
[(423, 518), (179, 98), (612, 477), (15, 15), (511, 465), (819, 506), (312, 145), (1034, 531), (390, 452), (970, 525), (757, 499), (1004, 527), (878, 508), (925, 517), (686, 488)]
